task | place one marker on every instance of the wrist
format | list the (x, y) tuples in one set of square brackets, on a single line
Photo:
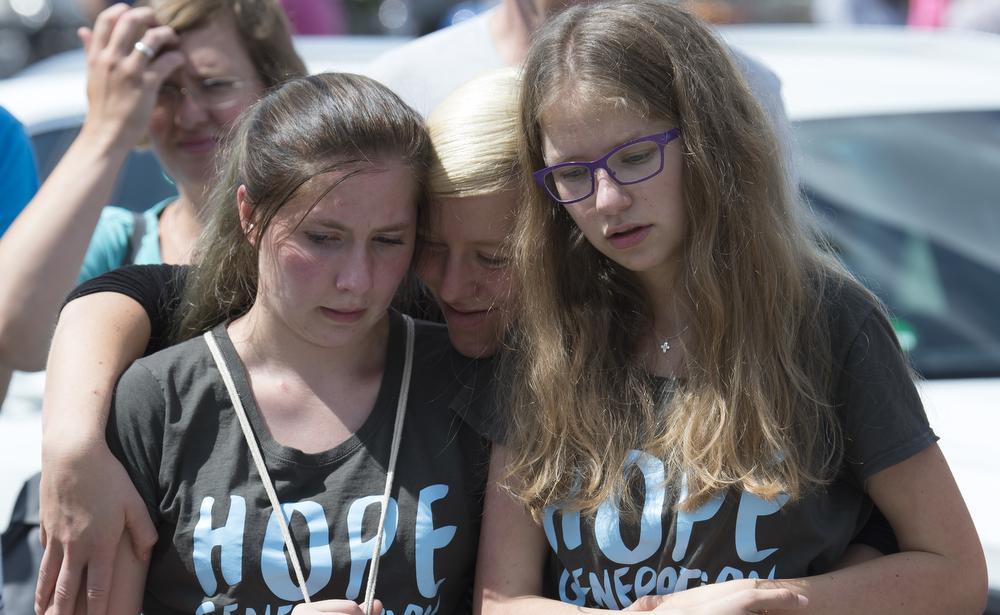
[(69, 447), (106, 140)]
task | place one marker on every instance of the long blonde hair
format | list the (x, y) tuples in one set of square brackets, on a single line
[(752, 411)]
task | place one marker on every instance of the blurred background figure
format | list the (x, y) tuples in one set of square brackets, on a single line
[(974, 15), (18, 183), (860, 12)]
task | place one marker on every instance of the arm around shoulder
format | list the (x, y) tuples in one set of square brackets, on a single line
[(87, 496)]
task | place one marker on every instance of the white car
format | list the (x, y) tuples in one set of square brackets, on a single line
[(899, 134)]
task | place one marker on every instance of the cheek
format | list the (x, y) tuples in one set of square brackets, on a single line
[(295, 269), (391, 267), (429, 268), (586, 220), (159, 124), (498, 284)]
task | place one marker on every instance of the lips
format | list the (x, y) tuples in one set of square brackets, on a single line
[(197, 145), (462, 317), (342, 316), (625, 237)]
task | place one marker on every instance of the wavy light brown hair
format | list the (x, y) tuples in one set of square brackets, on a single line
[(307, 127), (751, 411)]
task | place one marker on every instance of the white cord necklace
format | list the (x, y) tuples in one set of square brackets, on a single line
[(265, 477)]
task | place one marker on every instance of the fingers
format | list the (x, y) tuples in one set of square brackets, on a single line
[(342, 607), (645, 603), (760, 600), (104, 23), (166, 62), (48, 573), (85, 34), (140, 528), (99, 573), (67, 586), (129, 28)]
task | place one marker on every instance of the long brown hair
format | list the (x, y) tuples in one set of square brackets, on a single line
[(751, 411), (306, 127)]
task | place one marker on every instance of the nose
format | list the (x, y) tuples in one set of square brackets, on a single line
[(612, 198), (355, 275), (458, 281), (190, 112)]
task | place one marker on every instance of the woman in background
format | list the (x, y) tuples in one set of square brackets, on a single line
[(175, 73)]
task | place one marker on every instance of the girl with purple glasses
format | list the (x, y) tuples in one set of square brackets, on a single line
[(700, 394)]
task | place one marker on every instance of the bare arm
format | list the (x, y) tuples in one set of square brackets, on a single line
[(512, 553), (42, 251), (87, 498), (940, 567)]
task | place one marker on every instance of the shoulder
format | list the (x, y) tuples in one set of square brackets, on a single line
[(854, 316), (175, 367), (113, 227), (9, 125)]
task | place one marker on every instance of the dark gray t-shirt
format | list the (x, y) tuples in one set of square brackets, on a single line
[(609, 558), (220, 548)]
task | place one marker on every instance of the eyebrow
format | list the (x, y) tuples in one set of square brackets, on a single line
[(392, 228), (564, 159)]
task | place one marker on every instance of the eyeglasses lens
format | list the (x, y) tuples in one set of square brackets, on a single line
[(629, 165)]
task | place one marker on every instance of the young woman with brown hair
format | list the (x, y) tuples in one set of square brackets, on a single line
[(309, 425), (700, 394)]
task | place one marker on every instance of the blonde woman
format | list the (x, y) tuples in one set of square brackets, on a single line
[(700, 394)]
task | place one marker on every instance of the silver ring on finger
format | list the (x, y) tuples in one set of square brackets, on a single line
[(145, 50)]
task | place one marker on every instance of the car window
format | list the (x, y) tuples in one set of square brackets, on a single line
[(910, 204), (140, 185)]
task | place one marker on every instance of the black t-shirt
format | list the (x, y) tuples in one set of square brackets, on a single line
[(174, 428), (609, 558)]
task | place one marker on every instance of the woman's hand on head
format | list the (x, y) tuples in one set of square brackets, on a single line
[(122, 81), (88, 505), (343, 607)]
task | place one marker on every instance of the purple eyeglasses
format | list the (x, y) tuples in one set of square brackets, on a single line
[(630, 163)]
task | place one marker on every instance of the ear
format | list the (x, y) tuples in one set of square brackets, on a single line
[(246, 212)]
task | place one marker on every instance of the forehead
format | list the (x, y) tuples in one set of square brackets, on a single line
[(383, 193), (578, 131), (473, 219), (216, 46)]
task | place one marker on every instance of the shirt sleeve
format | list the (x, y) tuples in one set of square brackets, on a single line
[(157, 288), (108, 244), (18, 171), (135, 431), (884, 419)]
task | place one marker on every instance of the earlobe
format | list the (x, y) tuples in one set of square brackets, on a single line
[(246, 212)]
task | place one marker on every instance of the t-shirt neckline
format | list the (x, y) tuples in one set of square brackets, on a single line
[(381, 416)]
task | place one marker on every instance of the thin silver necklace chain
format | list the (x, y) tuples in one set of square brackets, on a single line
[(665, 343)]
